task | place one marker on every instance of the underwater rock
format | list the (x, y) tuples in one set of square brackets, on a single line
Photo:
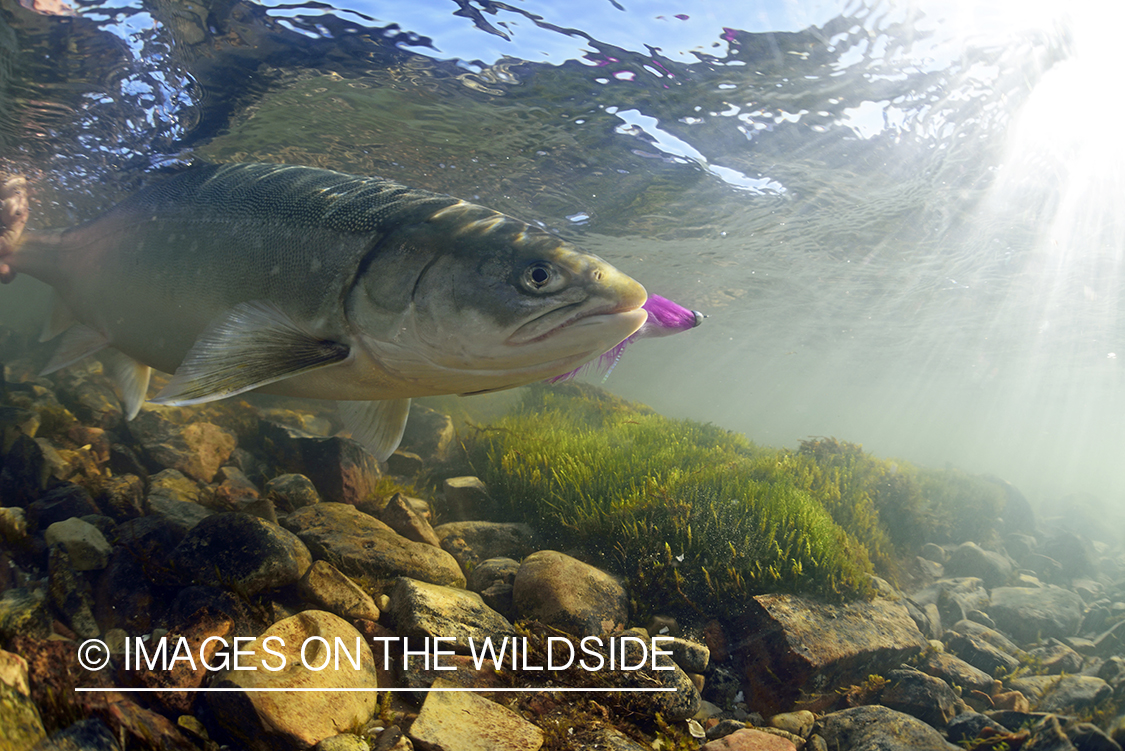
[(71, 594), (570, 595), (83, 542), (492, 539), (1086, 736), (89, 396), (467, 499), (970, 560), (85, 735), (340, 468), (934, 553), (491, 571), (418, 609), (1111, 642), (493, 580), (692, 656), (236, 493), (124, 461), (913, 692), (151, 539), (989, 635), (874, 727), (23, 612), (928, 569), (124, 597), (188, 601), (343, 742), (1047, 735), (291, 492), (288, 721), (405, 464), (1029, 614), (246, 553), (367, 550), (458, 721), (1056, 658), (174, 486), (1073, 552), (400, 516), (968, 726), (202, 636), (979, 653), (954, 670), (420, 673), (786, 644), (19, 717), (1062, 694), (197, 449), (428, 433), (749, 739), (122, 497), (797, 723), (25, 472), (324, 586), (62, 502)]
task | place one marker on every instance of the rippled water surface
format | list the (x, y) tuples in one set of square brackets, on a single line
[(901, 218)]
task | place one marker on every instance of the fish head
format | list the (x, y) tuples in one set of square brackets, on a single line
[(491, 303)]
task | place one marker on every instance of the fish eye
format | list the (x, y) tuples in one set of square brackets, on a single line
[(540, 276)]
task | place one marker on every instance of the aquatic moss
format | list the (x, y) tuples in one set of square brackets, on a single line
[(702, 514), (679, 507)]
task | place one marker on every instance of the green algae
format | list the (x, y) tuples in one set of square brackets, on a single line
[(678, 506), (702, 515)]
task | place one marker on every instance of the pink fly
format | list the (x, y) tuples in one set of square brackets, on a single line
[(664, 317)]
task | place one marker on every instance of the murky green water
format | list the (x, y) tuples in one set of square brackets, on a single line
[(900, 218)]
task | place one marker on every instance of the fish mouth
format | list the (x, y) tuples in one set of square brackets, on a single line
[(571, 316)]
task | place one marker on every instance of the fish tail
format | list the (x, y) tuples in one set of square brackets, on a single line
[(14, 209)]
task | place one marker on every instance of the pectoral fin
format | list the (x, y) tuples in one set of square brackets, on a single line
[(255, 344), (131, 378), (80, 341), (377, 425)]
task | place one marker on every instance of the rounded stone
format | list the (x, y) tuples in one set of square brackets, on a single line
[(288, 721), (570, 595), (244, 552), (83, 542)]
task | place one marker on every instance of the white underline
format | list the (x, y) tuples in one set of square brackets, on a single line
[(374, 690)]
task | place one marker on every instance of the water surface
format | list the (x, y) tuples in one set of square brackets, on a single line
[(900, 217)]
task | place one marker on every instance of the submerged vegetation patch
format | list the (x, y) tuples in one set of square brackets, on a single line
[(700, 513)]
